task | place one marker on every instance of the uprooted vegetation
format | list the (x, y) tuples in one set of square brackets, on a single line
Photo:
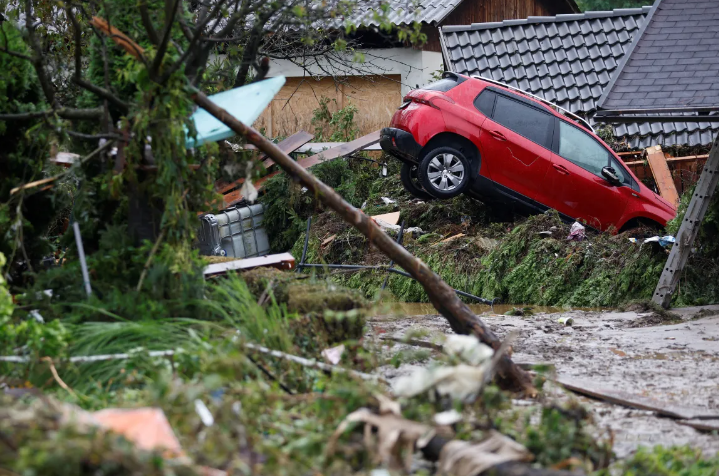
[(525, 261)]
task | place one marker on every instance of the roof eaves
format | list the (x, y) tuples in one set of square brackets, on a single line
[(549, 19), (441, 18), (445, 53), (637, 36)]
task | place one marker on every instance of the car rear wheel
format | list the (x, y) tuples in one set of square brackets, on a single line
[(444, 172), (408, 175)]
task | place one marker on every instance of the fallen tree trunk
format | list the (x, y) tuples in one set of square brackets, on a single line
[(460, 317)]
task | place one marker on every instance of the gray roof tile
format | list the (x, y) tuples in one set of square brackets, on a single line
[(571, 59), (681, 39)]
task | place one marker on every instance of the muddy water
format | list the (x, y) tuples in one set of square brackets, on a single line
[(672, 364), (421, 308)]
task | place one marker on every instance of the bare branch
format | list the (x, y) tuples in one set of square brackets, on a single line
[(162, 49), (11, 53), (80, 135), (37, 58), (77, 79), (65, 113), (147, 23)]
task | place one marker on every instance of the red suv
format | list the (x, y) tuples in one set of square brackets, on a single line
[(507, 147)]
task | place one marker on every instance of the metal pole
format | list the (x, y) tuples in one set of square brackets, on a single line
[(391, 263), (81, 254), (307, 242)]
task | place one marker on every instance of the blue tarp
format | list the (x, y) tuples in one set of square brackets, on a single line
[(245, 103)]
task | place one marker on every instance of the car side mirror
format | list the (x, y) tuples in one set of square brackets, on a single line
[(611, 175)]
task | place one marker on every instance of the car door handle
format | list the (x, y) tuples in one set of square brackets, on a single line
[(561, 169), (497, 135)]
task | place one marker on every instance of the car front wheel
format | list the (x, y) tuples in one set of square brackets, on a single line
[(444, 172)]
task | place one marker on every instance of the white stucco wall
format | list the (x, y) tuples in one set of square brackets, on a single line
[(414, 66)]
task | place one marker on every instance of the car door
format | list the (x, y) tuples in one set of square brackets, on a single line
[(516, 145), (578, 188)]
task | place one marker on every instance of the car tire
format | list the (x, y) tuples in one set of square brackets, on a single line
[(444, 172), (408, 175)]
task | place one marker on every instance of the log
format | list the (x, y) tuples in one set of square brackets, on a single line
[(460, 317)]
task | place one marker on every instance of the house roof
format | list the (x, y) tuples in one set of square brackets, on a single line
[(404, 12), (672, 63), (566, 59), (432, 12)]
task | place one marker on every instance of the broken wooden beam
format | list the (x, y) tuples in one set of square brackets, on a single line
[(291, 144), (460, 317), (288, 145), (662, 175), (347, 148), (626, 399), (342, 150), (281, 261)]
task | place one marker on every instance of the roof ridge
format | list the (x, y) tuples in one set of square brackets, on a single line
[(617, 12)]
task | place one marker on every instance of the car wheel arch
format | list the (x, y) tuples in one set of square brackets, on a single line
[(637, 221), (461, 143)]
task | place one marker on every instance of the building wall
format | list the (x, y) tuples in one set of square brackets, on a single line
[(376, 98), (375, 87)]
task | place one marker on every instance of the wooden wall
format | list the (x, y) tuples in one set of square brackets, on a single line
[(377, 98), (483, 11)]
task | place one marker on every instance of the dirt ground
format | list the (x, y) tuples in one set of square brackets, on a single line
[(673, 363)]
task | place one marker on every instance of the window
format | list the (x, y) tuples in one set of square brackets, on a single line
[(581, 149), (448, 81), (624, 175), (527, 121), (485, 102)]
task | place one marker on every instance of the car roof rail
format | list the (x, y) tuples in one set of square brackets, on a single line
[(557, 108)]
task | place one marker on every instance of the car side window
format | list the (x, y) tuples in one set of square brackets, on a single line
[(623, 175), (581, 149), (526, 121), (485, 102)]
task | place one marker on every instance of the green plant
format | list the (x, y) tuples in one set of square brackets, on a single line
[(6, 306), (673, 461), (338, 126)]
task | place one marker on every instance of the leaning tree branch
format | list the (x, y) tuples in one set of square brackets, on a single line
[(460, 317)]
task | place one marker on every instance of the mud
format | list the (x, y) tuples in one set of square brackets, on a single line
[(676, 363)]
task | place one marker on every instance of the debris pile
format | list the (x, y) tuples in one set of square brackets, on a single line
[(524, 261)]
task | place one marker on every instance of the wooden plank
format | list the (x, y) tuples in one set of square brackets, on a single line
[(342, 150), (662, 175), (292, 143), (626, 399), (703, 425), (689, 229), (282, 261), (345, 149)]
